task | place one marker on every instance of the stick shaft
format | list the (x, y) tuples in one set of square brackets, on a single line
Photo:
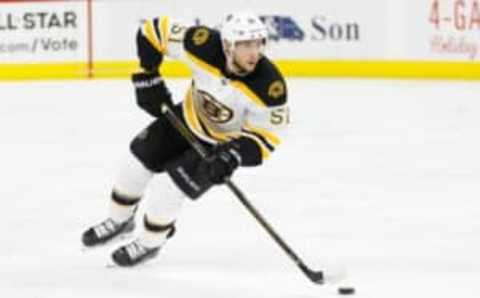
[(188, 135)]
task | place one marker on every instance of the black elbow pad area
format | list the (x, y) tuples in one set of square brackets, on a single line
[(150, 57), (249, 151)]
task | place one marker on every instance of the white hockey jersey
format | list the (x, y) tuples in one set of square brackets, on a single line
[(221, 106)]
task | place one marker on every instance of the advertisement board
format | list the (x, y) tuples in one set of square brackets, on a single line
[(35, 32), (313, 30), (368, 38), (447, 30)]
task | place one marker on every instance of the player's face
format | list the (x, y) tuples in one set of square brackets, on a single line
[(247, 54)]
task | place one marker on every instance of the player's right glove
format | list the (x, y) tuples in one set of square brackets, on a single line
[(195, 175), (222, 163), (151, 92)]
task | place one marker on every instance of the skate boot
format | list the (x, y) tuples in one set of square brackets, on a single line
[(106, 231), (135, 252)]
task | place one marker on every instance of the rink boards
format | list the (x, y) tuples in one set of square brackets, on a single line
[(373, 38)]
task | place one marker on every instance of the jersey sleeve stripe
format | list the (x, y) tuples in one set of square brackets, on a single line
[(261, 138), (164, 29), (149, 33), (268, 135)]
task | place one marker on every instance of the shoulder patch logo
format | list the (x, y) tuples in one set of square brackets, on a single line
[(276, 89), (200, 36)]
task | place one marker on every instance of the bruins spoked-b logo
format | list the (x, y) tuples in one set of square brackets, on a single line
[(276, 89), (213, 109), (200, 36)]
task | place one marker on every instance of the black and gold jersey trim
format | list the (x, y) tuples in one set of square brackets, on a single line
[(264, 141), (265, 86), (266, 83), (156, 32), (205, 45)]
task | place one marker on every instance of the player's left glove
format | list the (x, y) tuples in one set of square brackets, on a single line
[(221, 164)]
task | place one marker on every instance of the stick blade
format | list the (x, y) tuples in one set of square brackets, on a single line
[(331, 275), (317, 277)]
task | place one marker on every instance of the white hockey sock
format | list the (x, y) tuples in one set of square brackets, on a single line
[(152, 239), (165, 202), (129, 185), (120, 212)]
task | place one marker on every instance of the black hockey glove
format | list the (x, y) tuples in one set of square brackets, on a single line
[(223, 162), (151, 92), (194, 175), (189, 175)]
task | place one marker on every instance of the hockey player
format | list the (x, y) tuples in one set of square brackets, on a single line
[(236, 106)]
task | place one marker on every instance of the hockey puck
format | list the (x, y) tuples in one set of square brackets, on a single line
[(346, 290)]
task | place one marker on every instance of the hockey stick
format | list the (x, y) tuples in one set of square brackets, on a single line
[(315, 276)]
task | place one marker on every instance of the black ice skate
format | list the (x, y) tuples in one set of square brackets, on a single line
[(135, 253), (107, 231)]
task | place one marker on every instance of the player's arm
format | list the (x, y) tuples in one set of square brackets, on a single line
[(267, 117), (266, 124), (156, 39), (263, 133), (259, 138)]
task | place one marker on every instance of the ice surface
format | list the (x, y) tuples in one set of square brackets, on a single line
[(381, 176)]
